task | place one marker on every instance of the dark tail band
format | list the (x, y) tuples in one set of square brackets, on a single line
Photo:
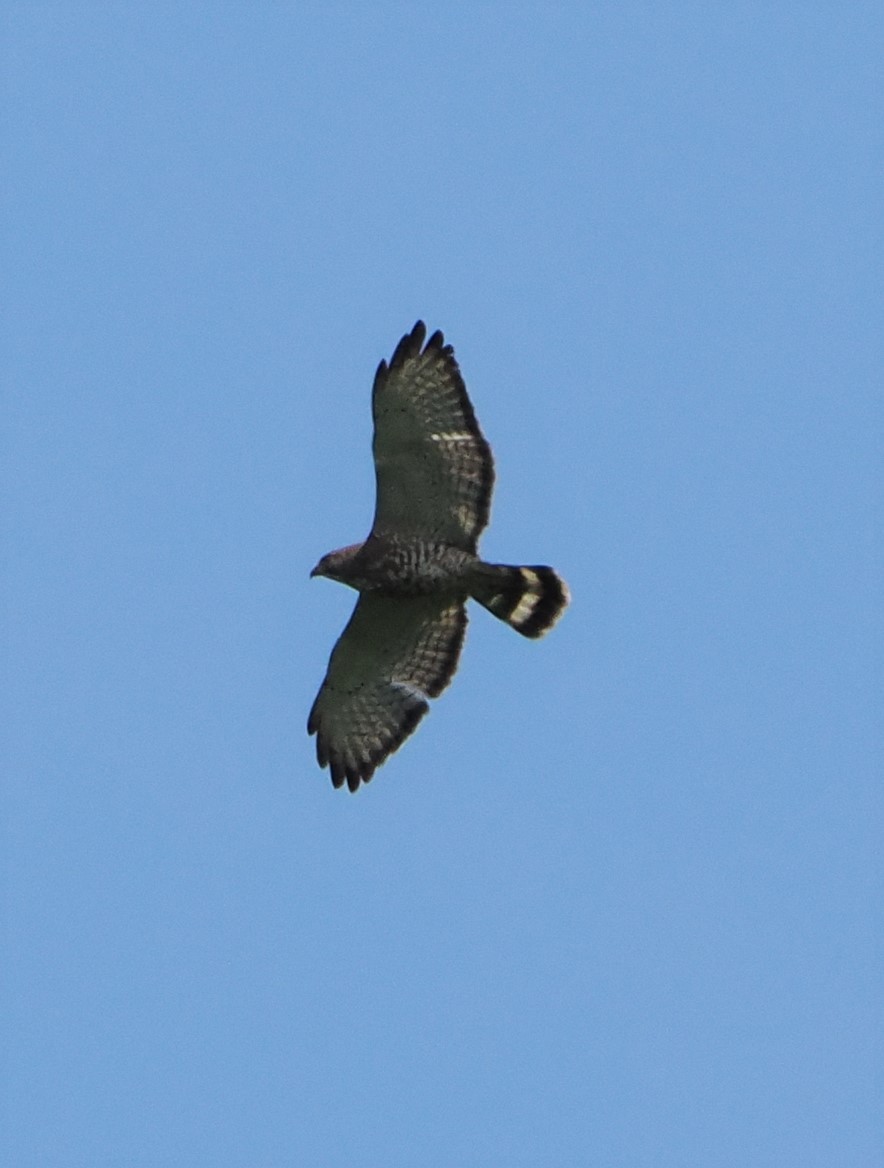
[(530, 600)]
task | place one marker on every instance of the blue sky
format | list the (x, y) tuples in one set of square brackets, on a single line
[(616, 903)]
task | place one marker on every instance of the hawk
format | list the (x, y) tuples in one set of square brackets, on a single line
[(419, 565)]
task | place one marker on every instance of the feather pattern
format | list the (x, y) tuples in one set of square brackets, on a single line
[(434, 469), (392, 656), (419, 565)]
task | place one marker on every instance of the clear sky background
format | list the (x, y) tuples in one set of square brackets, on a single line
[(616, 903)]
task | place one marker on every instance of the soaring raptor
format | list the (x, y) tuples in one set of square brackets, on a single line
[(419, 565)]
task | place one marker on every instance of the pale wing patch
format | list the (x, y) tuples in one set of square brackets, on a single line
[(452, 437), (411, 692), (466, 517)]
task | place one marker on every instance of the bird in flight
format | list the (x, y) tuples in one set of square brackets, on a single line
[(418, 566)]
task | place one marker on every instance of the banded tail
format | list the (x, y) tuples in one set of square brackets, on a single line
[(530, 600)]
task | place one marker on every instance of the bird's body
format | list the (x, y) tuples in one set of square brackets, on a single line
[(418, 566), (397, 567)]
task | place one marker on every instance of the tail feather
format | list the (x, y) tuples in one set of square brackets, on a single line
[(530, 600)]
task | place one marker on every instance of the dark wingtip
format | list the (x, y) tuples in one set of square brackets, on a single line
[(409, 346), (313, 717), (362, 771)]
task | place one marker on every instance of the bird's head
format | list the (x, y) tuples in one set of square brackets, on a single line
[(334, 565)]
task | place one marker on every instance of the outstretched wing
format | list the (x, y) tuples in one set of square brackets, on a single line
[(391, 657), (434, 468)]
